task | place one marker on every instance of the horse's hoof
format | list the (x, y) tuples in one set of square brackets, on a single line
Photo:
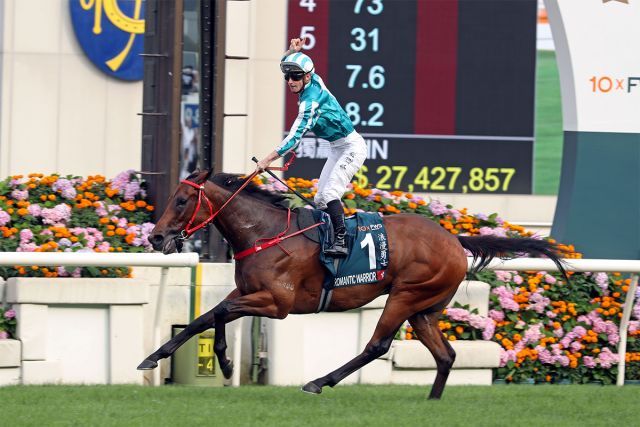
[(311, 387), (227, 370), (147, 365)]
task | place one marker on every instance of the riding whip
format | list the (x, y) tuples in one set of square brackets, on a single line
[(304, 199)]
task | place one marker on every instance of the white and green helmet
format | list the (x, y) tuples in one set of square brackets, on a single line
[(296, 62)]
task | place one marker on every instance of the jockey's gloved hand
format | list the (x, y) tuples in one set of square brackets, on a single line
[(264, 163)]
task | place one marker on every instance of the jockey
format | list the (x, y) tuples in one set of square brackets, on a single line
[(319, 111)]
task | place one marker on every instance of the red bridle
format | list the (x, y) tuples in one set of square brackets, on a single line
[(188, 229)]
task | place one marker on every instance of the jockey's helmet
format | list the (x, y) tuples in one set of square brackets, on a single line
[(296, 62)]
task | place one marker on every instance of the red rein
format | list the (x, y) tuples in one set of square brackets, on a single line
[(188, 230)]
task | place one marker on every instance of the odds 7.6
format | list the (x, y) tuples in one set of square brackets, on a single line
[(436, 178)]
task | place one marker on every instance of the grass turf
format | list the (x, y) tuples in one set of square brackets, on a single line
[(548, 125), (345, 405)]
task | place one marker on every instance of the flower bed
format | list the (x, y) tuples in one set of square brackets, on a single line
[(7, 323), (549, 331), (70, 214), (53, 213)]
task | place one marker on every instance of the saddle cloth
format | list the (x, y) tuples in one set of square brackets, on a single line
[(368, 248)]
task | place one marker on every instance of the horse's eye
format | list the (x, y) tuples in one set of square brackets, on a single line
[(180, 202), (229, 181)]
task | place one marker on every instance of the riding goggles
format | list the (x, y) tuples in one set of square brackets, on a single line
[(295, 76)]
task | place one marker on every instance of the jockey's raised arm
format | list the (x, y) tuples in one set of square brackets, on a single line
[(320, 112)]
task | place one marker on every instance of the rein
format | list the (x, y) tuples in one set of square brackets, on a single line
[(188, 230), (270, 241)]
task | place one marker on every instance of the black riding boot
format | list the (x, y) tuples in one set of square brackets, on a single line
[(339, 248)]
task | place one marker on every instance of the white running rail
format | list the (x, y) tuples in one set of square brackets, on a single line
[(191, 260), (95, 259)]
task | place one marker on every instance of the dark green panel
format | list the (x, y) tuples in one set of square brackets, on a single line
[(598, 208)]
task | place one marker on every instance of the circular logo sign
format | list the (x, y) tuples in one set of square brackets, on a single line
[(111, 33)]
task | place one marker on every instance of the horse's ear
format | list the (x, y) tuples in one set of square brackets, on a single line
[(202, 176)]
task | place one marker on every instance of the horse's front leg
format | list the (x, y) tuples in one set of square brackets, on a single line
[(198, 326), (258, 304), (261, 303)]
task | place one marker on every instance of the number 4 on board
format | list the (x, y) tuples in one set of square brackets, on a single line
[(309, 4)]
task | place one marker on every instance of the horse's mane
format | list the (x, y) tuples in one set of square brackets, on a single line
[(232, 182)]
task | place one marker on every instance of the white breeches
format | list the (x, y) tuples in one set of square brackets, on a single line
[(345, 159)]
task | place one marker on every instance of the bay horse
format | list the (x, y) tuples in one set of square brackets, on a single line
[(426, 265)]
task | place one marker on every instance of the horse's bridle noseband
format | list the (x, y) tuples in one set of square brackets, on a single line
[(188, 230)]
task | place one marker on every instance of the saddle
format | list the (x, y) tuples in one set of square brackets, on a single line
[(307, 217), (368, 250)]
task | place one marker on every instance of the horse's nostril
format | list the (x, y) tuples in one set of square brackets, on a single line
[(155, 239)]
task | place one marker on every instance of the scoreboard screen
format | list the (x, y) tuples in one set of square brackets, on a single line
[(441, 90)]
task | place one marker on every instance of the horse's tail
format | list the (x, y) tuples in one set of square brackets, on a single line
[(485, 248)]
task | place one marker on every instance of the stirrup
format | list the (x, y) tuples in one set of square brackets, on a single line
[(338, 249)]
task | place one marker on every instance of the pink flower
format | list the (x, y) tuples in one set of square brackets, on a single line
[(489, 329), (517, 279), (4, 335), (27, 247), (507, 355), (496, 315), (607, 358), (458, 314), (602, 280), (4, 218), (10, 314), (101, 210), (549, 279), (478, 321), (59, 215), (533, 334), (505, 298), (539, 302), (589, 362), (503, 276), (20, 194), (103, 247), (34, 210), (437, 208), (65, 187), (25, 235), (488, 231)]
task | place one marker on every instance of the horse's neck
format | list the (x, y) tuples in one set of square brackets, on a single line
[(245, 220)]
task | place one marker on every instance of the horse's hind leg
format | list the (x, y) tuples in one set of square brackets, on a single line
[(392, 317), (428, 332)]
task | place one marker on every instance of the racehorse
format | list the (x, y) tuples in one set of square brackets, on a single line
[(426, 265)]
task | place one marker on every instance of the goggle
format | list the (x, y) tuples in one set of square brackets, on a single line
[(296, 77)]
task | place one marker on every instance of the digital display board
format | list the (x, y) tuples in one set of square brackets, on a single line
[(441, 90)]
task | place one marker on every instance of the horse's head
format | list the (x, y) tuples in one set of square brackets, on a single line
[(169, 231)]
